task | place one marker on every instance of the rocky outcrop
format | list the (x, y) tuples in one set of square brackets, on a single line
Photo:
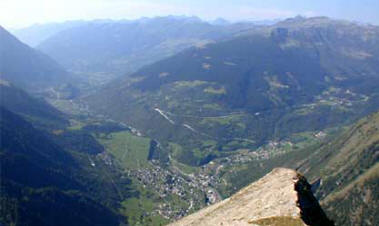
[(282, 197), (310, 210)]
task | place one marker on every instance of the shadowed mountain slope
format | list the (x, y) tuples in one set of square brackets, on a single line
[(26, 67), (37, 180), (33, 109)]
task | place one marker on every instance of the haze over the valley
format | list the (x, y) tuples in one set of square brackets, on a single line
[(22, 13), (173, 112)]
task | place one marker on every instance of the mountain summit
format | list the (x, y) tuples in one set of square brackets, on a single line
[(282, 197)]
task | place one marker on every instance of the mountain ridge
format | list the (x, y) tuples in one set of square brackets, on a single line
[(191, 129), (115, 48), (259, 87), (27, 68)]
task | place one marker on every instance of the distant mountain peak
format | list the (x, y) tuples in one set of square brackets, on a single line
[(193, 19), (220, 21), (318, 21)]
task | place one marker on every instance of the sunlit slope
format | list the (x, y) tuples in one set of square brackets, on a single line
[(272, 200), (348, 167), (300, 75)]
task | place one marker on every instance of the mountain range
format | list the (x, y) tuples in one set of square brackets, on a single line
[(266, 84), (104, 49), (37, 33), (186, 114)]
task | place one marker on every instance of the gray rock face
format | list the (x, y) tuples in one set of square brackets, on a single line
[(282, 197)]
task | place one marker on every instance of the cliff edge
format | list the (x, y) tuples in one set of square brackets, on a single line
[(282, 197)]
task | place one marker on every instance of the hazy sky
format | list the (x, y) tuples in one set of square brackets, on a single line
[(19, 13)]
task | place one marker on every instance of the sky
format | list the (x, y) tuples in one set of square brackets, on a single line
[(22, 13)]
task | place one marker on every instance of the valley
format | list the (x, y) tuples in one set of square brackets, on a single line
[(170, 189), (163, 127)]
